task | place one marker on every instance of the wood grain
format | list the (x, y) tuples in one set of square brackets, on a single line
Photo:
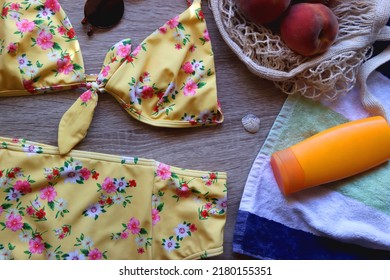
[(226, 148)]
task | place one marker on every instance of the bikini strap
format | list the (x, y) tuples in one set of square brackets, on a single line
[(77, 119)]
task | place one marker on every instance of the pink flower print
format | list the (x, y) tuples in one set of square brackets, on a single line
[(178, 46), (106, 70), (23, 186), (147, 92), (163, 29), (85, 173), (208, 205), (190, 88), (136, 51), (95, 254), (53, 5), (173, 23), (30, 210), (44, 40), (124, 235), (206, 35), (14, 222), (133, 226), (86, 96), (123, 50), (25, 25), (61, 30), (48, 193), (163, 171), (155, 216), (12, 48), (36, 246), (15, 6), (64, 65), (108, 185), (187, 67)]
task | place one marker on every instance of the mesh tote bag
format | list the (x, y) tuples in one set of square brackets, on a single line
[(326, 76)]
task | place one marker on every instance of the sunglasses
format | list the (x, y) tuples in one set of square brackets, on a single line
[(102, 13)]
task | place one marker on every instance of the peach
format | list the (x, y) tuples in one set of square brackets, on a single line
[(325, 2), (262, 11), (309, 29)]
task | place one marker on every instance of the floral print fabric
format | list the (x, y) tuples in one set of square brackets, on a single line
[(171, 74), (168, 80), (39, 50), (105, 207)]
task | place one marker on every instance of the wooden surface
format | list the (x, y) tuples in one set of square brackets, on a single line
[(223, 148)]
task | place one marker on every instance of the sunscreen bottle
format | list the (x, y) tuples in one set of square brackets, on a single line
[(332, 154)]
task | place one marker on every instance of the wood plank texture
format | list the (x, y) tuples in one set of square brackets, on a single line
[(226, 148)]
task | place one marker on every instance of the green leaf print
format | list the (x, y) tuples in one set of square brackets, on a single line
[(56, 46), (11, 247), (201, 84), (6, 206), (77, 67), (36, 79), (51, 205), (39, 21), (160, 207), (27, 226), (180, 26)]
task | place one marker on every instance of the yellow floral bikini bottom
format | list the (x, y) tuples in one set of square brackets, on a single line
[(94, 206)]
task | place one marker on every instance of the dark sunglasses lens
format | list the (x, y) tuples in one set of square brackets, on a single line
[(103, 13)]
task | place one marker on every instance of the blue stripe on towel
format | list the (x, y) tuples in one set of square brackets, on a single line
[(262, 238)]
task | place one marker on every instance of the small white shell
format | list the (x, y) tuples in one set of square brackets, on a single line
[(251, 123)]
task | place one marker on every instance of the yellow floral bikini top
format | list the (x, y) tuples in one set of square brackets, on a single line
[(168, 80)]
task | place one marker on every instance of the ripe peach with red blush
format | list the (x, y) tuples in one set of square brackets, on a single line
[(325, 2), (262, 11), (309, 29)]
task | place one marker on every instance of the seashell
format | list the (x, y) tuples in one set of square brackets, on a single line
[(251, 123)]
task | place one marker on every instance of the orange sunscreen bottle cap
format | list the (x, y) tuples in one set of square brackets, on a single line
[(287, 171)]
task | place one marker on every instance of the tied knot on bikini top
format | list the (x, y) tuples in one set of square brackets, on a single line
[(168, 80)]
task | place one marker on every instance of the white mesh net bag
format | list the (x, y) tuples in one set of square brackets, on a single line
[(326, 76)]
